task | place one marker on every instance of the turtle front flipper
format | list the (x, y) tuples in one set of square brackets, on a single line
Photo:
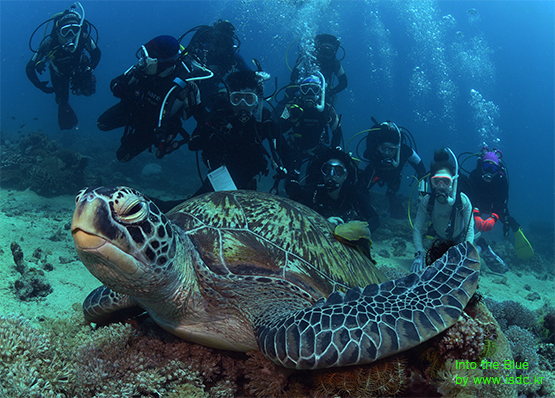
[(102, 304), (364, 325)]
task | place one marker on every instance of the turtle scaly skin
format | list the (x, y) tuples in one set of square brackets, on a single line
[(246, 270)]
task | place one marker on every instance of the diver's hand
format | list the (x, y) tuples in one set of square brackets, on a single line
[(336, 220), (42, 86), (40, 67), (490, 222), (418, 263)]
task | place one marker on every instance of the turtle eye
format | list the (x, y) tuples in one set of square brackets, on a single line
[(131, 210)]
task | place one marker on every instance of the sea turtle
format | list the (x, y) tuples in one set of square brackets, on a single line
[(245, 270)]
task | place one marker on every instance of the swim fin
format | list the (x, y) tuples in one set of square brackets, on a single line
[(523, 247), (67, 119)]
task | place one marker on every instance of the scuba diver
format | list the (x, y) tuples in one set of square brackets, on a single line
[(155, 94), (332, 190), (325, 56), (307, 120), (217, 47), (231, 136), (445, 212), (64, 52), (488, 188), (387, 155)]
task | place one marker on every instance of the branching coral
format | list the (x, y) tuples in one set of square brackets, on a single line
[(463, 340), (31, 362)]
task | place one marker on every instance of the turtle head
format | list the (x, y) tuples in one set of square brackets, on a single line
[(122, 238)]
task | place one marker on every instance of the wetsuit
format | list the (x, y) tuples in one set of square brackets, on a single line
[(307, 131), (142, 97), (224, 139), (459, 215), (75, 68)]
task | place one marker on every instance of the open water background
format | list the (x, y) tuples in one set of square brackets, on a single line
[(455, 73)]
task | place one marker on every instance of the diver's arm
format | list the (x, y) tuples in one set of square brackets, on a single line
[(417, 164), (31, 72), (341, 81), (33, 65), (95, 57), (271, 133), (467, 218), (368, 211), (120, 85), (420, 224), (240, 63), (336, 131), (93, 50), (501, 204)]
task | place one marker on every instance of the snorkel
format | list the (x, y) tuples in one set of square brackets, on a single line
[(78, 11), (321, 105), (450, 195), (387, 161)]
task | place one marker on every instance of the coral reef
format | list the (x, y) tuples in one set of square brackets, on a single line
[(523, 346), (68, 358), (510, 312), (385, 378), (41, 165), (547, 324), (471, 339)]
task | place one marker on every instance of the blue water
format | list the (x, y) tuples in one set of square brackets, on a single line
[(453, 77)]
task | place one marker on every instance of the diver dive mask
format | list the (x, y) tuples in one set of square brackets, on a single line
[(490, 167), (335, 174), (442, 181), (70, 30), (248, 98), (310, 89), (387, 149), (333, 169)]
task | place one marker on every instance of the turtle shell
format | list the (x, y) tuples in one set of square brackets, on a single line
[(254, 234)]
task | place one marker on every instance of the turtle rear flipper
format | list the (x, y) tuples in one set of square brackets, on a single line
[(364, 325), (102, 305)]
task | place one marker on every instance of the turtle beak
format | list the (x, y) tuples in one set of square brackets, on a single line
[(93, 235)]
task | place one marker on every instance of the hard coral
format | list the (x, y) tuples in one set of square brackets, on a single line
[(510, 312), (523, 346), (463, 340)]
